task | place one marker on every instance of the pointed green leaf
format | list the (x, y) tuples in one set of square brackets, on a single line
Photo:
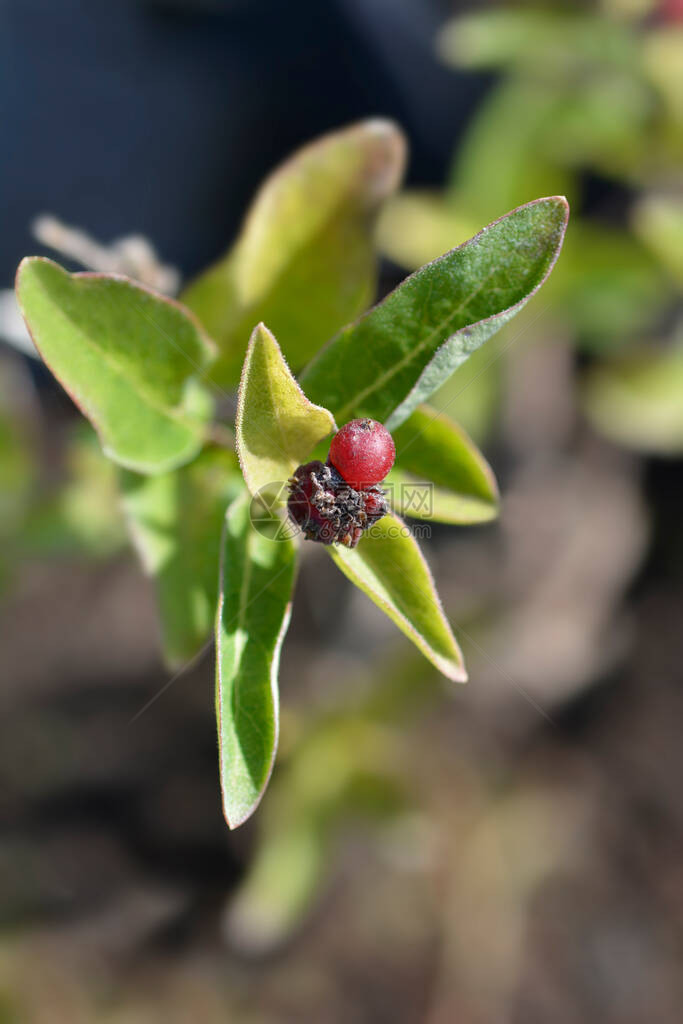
[(277, 427), (395, 356), (440, 473), (389, 567), (176, 520), (257, 576), (305, 261), (129, 358)]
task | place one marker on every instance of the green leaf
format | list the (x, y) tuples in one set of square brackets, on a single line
[(658, 222), (604, 121), (557, 43), (257, 576), (608, 286), (283, 879), (576, 95), (474, 391), (440, 474), (637, 401), (17, 468), (176, 520), (501, 162), (304, 262), (83, 517), (389, 567), (277, 427), (395, 356), (130, 359), (662, 63), (343, 767)]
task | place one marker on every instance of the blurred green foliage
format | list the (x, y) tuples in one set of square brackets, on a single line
[(305, 261), (589, 104), (342, 764), (49, 511)]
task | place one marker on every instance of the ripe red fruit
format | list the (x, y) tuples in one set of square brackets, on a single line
[(363, 452)]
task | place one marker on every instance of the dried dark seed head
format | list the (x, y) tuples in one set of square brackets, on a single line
[(375, 504), (327, 509), (309, 499)]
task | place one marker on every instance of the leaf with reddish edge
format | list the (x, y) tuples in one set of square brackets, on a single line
[(256, 581), (390, 360), (305, 261), (389, 567), (130, 359), (276, 426)]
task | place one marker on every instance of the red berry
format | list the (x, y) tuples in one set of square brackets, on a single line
[(363, 452)]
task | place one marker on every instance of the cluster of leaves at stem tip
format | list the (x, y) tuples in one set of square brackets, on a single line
[(292, 294)]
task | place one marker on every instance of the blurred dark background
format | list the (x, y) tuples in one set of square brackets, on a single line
[(510, 852), (162, 117)]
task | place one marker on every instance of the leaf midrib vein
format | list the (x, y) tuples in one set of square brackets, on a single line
[(416, 351), (241, 610)]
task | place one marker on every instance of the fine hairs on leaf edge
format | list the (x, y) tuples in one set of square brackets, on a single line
[(457, 674), (404, 408), (145, 468), (392, 421), (235, 822), (241, 394), (377, 127)]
